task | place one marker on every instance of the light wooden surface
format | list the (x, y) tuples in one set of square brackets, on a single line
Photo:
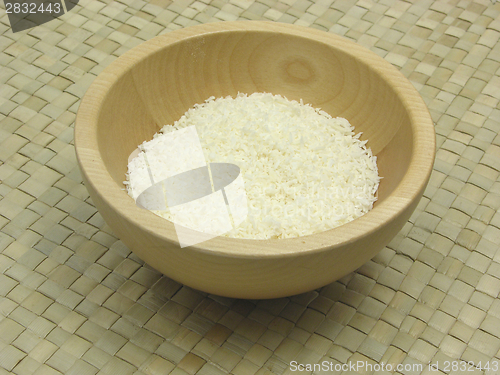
[(75, 299), (158, 81)]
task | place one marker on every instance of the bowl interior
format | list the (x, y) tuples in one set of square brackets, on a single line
[(160, 88)]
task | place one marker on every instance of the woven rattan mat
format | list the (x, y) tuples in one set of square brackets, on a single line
[(75, 300)]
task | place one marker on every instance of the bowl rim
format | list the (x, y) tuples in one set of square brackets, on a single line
[(409, 189)]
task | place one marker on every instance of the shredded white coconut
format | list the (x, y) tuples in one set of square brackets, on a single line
[(304, 171)]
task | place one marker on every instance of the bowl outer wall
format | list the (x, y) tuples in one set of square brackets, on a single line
[(292, 265)]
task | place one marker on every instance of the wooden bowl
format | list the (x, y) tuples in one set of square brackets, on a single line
[(156, 82)]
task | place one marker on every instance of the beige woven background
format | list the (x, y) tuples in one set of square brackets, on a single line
[(75, 300)]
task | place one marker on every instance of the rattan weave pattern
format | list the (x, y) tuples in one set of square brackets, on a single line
[(75, 300)]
